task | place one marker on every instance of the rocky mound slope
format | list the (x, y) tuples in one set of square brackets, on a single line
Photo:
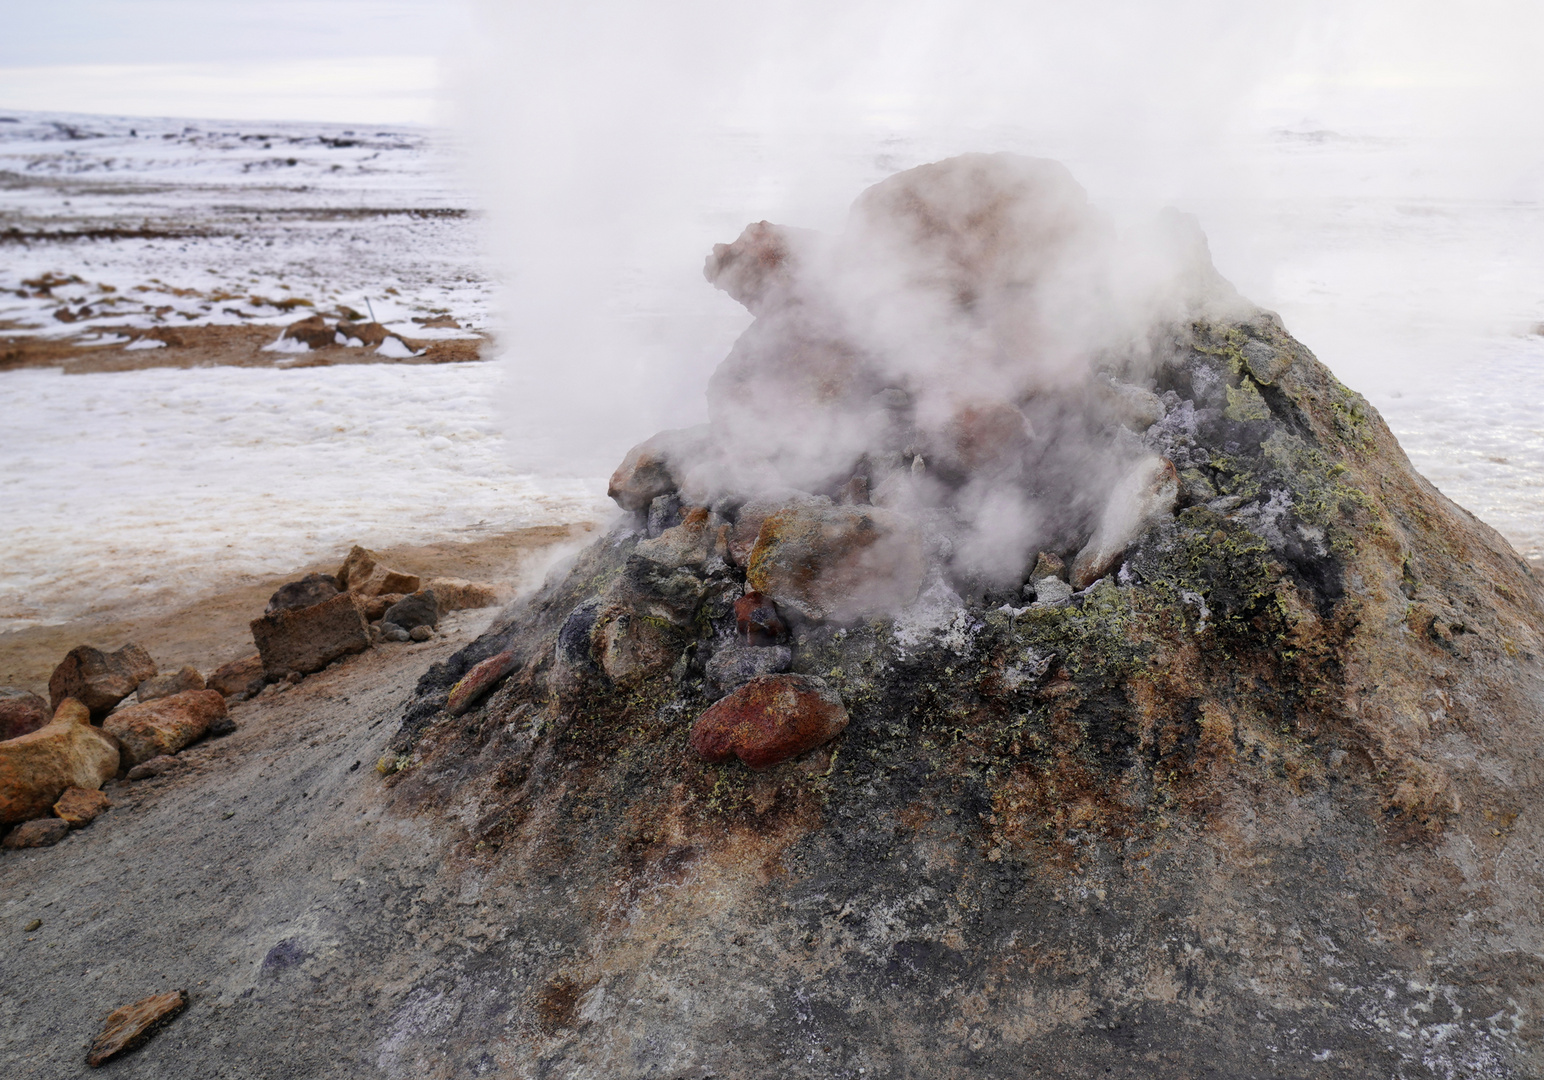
[(1041, 665)]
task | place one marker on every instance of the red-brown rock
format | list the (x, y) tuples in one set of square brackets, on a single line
[(79, 807), (761, 268), (132, 1025), (308, 639), (97, 679), (655, 466), (757, 621), (238, 676), (313, 330), (769, 720), (20, 712), (478, 681), (66, 752), (164, 726)]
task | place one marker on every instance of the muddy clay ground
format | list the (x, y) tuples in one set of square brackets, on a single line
[(262, 876)]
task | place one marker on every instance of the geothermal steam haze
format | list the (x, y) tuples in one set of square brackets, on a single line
[(619, 142)]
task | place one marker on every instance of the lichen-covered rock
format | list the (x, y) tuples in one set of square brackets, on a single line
[(99, 680), (36, 768), (770, 719), (164, 726), (363, 573), (169, 683), (79, 807), (837, 562), (21, 711), (308, 639)]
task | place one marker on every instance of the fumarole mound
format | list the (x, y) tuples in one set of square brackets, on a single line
[(1039, 665)]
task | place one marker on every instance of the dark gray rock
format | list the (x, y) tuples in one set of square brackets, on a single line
[(419, 609), (664, 513), (311, 589), (392, 632), (735, 664)]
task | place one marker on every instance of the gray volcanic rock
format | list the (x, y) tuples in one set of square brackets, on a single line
[(1257, 802)]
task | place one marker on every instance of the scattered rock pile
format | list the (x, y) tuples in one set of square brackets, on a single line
[(1112, 691), (54, 757)]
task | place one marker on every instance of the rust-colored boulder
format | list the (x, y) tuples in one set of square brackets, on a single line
[(40, 832), (363, 573), (168, 683), (366, 333), (97, 679), (655, 467), (130, 1026), (66, 752), (20, 712), (761, 268), (458, 594), (79, 807), (164, 726), (238, 676), (768, 720), (839, 563), (757, 622), (308, 639)]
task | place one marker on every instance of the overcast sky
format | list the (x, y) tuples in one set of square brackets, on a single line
[(374, 61)]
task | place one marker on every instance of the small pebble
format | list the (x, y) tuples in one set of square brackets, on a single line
[(35, 924), (420, 633)]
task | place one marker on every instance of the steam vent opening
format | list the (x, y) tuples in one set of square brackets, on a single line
[(1039, 664)]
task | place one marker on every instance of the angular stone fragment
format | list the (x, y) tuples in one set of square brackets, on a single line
[(67, 752), (751, 515), (458, 594), (311, 589), (419, 609), (169, 683), (1145, 494), (478, 681), (79, 807), (837, 562), (375, 607), (653, 467), (1052, 591), (97, 679), (308, 639), (132, 1025), (757, 622), (20, 712), (768, 720), (363, 573), (40, 832), (164, 726), (1265, 363), (735, 664), (1048, 564), (238, 676)]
